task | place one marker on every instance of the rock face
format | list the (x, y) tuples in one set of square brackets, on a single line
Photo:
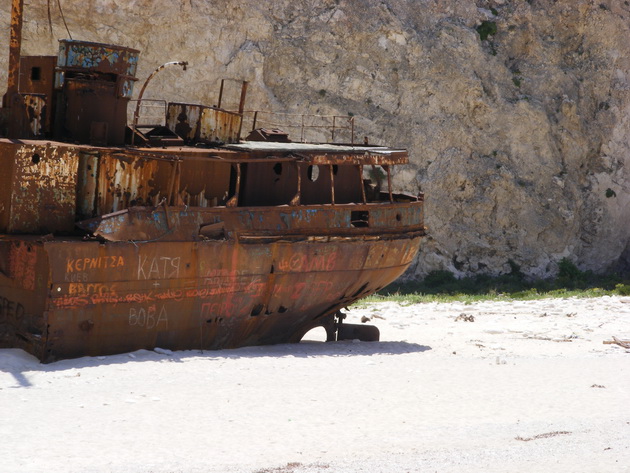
[(516, 113)]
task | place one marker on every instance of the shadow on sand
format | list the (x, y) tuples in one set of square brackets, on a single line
[(19, 363)]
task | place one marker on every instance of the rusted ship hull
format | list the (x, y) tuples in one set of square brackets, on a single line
[(69, 298), (180, 277)]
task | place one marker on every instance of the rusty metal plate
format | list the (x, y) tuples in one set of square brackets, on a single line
[(40, 191), (202, 124)]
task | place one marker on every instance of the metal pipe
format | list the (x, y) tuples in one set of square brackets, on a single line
[(233, 202), (15, 46), (136, 114)]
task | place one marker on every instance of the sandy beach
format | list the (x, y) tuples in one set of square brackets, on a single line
[(490, 386)]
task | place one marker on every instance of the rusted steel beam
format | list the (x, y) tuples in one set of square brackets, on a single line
[(15, 47)]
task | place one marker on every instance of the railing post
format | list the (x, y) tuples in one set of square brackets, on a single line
[(255, 119), (220, 93), (351, 130), (241, 104)]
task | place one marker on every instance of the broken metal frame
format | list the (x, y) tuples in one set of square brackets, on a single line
[(136, 113), (333, 127)]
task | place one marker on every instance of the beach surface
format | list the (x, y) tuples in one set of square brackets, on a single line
[(451, 387)]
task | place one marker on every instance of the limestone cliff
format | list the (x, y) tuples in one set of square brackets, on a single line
[(516, 113)]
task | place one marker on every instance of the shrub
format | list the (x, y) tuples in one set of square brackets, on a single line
[(487, 28), (568, 270), (439, 278), (622, 289)]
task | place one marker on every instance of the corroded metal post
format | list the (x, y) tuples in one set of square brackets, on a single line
[(241, 106), (220, 93), (15, 47)]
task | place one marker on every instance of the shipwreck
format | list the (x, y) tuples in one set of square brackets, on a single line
[(195, 229)]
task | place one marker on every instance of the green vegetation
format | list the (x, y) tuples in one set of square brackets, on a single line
[(517, 81), (443, 286), (610, 193), (487, 28)]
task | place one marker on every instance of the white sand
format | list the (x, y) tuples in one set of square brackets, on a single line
[(526, 387)]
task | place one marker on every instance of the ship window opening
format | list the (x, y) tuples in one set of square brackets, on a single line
[(398, 217), (36, 73), (312, 172), (36, 158), (360, 218), (277, 168), (257, 310), (335, 169)]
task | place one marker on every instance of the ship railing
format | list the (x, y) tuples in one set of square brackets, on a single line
[(337, 127), (152, 113)]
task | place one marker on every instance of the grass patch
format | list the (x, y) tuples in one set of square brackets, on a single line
[(443, 286)]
